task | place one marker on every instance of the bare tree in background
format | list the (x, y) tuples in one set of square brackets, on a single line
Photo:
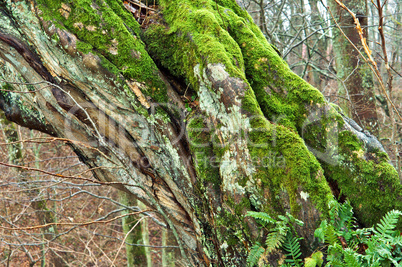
[(356, 82)]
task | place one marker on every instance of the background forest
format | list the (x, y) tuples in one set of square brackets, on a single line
[(67, 219)]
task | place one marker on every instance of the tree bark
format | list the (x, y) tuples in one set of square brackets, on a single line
[(356, 83), (193, 113)]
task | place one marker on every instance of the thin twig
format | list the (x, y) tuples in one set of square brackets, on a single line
[(63, 176), (219, 12), (73, 224), (124, 239)]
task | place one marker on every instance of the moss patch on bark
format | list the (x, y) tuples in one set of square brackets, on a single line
[(105, 28)]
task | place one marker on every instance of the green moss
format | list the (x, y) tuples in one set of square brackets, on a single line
[(131, 24), (84, 47), (290, 163), (106, 29), (195, 36), (281, 94), (286, 99), (372, 186)]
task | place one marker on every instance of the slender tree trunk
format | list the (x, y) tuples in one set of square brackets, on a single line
[(356, 84), (318, 46), (145, 238), (136, 255), (167, 256)]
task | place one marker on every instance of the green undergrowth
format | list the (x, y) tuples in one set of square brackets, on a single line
[(279, 233), (341, 241)]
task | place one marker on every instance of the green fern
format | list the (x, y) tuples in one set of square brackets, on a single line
[(264, 217), (291, 245), (331, 235), (320, 231), (398, 239), (326, 233), (382, 245), (255, 253), (274, 240), (345, 215), (351, 258), (341, 217), (335, 255), (388, 223)]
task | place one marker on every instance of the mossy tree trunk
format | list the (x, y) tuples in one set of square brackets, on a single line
[(136, 255), (356, 82), (194, 114)]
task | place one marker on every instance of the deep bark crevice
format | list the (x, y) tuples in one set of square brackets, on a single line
[(31, 57)]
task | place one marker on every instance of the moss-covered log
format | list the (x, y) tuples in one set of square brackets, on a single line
[(194, 113)]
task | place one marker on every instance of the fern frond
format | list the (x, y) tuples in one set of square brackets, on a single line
[(274, 240), (289, 218), (299, 222), (292, 245), (261, 216), (333, 207), (345, 215), (320, 231), (351, 258), (284, 219), (388, 223), (254, 255), (335, 255), (330, 235), (397, 240)]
